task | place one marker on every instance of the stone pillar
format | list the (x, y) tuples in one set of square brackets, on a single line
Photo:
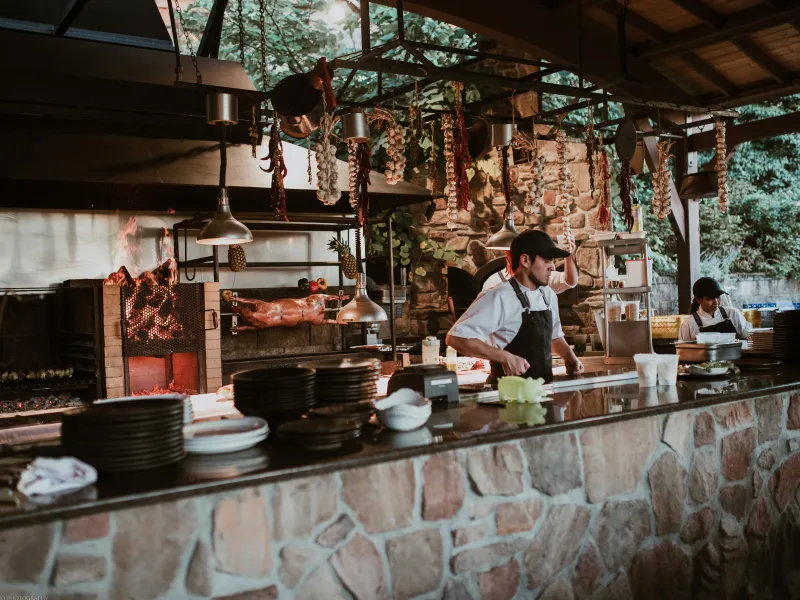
[(112, 341), (213, 339)]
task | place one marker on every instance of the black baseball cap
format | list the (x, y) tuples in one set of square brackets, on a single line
[(707, 287), (535, 243)]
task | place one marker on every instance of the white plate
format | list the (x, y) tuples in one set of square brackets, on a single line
[(228, 435)]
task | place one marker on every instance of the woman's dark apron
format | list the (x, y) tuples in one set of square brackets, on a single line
[(724, 326), (533, 341)]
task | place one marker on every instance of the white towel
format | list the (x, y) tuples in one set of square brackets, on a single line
[(46, 476)]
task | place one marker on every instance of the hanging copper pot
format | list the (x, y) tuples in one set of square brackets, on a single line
[(478, 139), (302, 99)]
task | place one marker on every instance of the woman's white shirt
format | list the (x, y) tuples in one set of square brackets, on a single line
[(689, 328)]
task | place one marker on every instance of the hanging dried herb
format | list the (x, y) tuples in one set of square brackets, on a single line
[(433, 170), (277, 167), (362, 181), (625, 193), (414, 128), (450, 170), (590, 149), (395, 143), (662, 204), (461, 151), (603, 210), (253, 131), (722, 166)]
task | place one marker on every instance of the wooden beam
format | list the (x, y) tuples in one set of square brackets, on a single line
[(747, 132), (709, 73), (635, 20), (212, 34), (701, 12), (758, 92), (71, 12), (752, 50), (738, 24), (555, 38)]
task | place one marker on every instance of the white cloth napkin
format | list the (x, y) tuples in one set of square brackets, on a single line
[(45, 476)]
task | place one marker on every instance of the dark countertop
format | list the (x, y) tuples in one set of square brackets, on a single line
[(450, 427)]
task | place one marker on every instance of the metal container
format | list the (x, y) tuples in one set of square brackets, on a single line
[(501, 134), (689, 352), (222, 108), (355, 127)]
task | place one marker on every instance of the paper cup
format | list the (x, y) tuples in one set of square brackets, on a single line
[(667, 369), (647, 369)]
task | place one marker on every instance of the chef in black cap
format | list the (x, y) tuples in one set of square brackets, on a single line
[(516, 325), (707, 316)]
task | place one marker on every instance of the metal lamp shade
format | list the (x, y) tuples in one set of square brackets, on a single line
[(501, 134), (699, 185), (223, 229), (355, 127), (222, 108), (361, 309), (501, 240)]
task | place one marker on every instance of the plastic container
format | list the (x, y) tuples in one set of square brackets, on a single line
[(615, 311), (451, 360), (632, 310), (430, 350), (667, 369), (635, 271), (647, 369)]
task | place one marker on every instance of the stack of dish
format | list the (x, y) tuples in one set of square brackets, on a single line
[(125, 436), (785, 343), (319, 434), (358, 411), (230, 435), (188, 414), (347, 381), (275, 394), (760, 341)]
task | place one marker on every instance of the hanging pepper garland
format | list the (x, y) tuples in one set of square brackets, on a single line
[(604, 208), (590, 149), (662, 205), (358, 155), (253, 131), (328, 191), (277, 167), (722, 166), (352, 170), (461, 151), (450, 170), (625, 193)]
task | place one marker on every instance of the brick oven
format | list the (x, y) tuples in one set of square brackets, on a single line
[(158, 338)]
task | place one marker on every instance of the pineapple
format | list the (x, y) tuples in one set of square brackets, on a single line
[(346, 260), (237, 261)]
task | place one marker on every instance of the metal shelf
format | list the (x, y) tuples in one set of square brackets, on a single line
[(623, 291)]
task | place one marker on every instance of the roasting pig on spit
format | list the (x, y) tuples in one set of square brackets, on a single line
[(287, 312)]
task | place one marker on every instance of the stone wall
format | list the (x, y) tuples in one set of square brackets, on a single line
[(701, 503), (743, 289), (428, 312)]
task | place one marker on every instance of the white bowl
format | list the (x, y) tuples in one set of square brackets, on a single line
[(406, 417)]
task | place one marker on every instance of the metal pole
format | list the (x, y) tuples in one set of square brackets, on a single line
[(391, 286), (176, 248), (216, 263), (401, 34), (364, 13)]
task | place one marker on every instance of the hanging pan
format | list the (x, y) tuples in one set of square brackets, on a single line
[(625, 140), (302, 99)]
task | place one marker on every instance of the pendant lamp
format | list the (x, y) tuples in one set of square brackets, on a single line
[(501, 240), (223, 230), (361, 309)]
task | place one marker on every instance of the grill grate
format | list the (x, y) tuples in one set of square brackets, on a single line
[(162, 319)]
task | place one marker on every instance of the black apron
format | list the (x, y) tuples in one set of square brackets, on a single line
[(533, 341), (724, 326)]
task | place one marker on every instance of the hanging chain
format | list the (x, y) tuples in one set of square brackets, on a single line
[(240, 22), (262, 8), (185, 30)]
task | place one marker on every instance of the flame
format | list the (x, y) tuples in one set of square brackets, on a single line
[(127, 248), (167, 249)]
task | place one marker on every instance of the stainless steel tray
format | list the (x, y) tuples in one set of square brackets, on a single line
[(698, 353)]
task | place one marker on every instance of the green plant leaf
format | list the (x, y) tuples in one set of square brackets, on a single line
[(405, 261), (439, 254), (420, 271)]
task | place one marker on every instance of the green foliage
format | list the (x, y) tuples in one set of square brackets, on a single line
[(411, 246)]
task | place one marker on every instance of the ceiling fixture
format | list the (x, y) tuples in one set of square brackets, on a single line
[(501, 240), (223, 230)]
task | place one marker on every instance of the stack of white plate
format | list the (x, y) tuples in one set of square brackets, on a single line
[(760, 341), (230, 435)]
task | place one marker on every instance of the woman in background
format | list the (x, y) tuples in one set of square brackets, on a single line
[(707, 316)]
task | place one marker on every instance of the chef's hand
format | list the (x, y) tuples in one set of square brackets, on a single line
[(574, 366), (514, 365)]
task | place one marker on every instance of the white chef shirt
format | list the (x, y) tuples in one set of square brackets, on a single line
[(689, 328), (496, 315), (557, 281)]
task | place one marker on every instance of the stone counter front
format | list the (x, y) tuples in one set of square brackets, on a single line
[(700, 503)]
